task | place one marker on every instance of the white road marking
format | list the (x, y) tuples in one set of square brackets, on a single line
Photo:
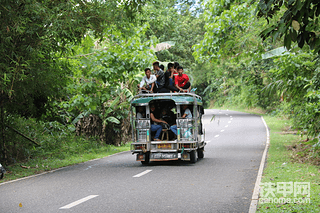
[(229, 121), (222, 130), (89, 167), (216, 136), (143, 173), (78, 202), (256, 191), (231, 118), (206, 142), (226, 125)]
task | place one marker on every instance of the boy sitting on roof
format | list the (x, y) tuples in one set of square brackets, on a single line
[(182, 80), (169, 78), (160, 78), (149, 80)]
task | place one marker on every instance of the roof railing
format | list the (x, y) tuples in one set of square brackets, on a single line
[(141, 95)]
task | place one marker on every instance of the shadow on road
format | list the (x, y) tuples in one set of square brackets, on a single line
[(174, 163)]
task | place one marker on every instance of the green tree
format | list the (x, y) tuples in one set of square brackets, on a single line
[(103, 78), (35, 35), (174, 21), (299, 22)]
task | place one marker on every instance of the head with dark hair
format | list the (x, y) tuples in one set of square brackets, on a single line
[(176, 65), (146, 69), (161, 66), (170, 65), (152, 107), (180, 70), (156, 63)]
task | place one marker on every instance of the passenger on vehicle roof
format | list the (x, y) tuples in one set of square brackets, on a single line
[(155, 127), (187, 113), (175, 66), (169, 78), (161, 67), (160, 78), (182, 80), (149, 80)]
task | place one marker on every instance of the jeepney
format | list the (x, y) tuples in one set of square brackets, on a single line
[(189, 142)]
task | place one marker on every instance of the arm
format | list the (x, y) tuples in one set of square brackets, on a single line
[(152, 86), (186, 113), (156, 73), (171, 76), (142, 84), (176, 85), (155, 119), (187, 78)]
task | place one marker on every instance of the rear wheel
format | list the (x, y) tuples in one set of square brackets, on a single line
[(193, 156), (147, 158), (200, 153)]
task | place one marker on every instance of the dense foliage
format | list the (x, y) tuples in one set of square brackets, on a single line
[(249, 65), (75, 64), (38, 39), (299, 22)]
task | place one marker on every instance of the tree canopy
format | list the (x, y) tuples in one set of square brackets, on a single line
[(299, 22), (66, 60), (35, 34)]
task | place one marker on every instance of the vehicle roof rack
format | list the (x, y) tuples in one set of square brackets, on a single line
[(141, 95)]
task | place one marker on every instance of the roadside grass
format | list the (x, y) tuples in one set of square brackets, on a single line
[(42, 164), (58, 147), (284, 165), (281, 169)]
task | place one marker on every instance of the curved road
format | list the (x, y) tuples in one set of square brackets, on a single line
[(222, 181)]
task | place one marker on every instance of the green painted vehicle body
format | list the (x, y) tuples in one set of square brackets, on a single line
[(188, 144)]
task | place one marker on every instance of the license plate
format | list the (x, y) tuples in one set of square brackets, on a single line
[(156, 156), (164, 146)]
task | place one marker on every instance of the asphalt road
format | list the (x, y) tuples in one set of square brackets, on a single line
[(222, 181)]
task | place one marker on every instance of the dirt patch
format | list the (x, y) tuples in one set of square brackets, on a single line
[(304, 153)]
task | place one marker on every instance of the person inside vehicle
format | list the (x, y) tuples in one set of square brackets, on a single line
[(149, 80), (141, 112), (169, 117), (169, 78), (160, 78), (182, 80), (187, 113), (155, 122)]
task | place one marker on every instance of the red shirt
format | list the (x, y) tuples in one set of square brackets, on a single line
[(181, 80)]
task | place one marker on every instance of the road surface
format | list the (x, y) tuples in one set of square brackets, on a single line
[(223, 181)]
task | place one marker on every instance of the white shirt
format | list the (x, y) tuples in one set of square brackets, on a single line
[(147, 80), (139, 115), (188, 113)]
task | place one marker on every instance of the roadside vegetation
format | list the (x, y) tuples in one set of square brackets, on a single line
[(70, 68), (291, 160), (264, 55), (58, 147)]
